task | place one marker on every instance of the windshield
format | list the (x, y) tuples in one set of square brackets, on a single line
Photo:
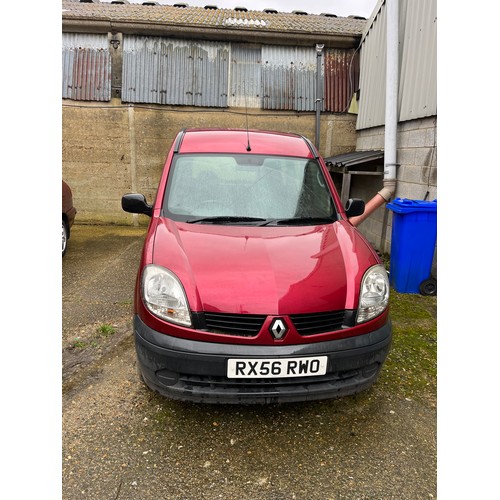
[(247, 189)]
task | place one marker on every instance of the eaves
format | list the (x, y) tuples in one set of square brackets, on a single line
[(251, 35)]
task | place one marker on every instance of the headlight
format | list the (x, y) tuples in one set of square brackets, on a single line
[(374, 294), (164, 296)]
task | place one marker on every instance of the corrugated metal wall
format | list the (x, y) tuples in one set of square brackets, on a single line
[(161, 70), (245, 76), (179, 72), (341, 78), (372, 75), (418, 74), (86, 67), (417, 70), (305, 67), (288, 78)]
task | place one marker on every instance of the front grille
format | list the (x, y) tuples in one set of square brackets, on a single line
[(341, 377), (241, 325), (225, 383), (312, 324), (249, 325)]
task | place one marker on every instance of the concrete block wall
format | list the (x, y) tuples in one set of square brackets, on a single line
[(112, 149), (417, 156), (416, 174)]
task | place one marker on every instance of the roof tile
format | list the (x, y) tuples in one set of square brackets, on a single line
[(219, 18)]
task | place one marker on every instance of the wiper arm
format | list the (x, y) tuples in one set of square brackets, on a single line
[(300, 221), (225, 219)]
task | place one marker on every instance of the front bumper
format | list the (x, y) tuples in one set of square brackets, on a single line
[(195, 371)]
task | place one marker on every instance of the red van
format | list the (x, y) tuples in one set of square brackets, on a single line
[(253, 286)]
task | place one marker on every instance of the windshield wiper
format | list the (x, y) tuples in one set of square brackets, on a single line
[(300, 221), (225, 219)]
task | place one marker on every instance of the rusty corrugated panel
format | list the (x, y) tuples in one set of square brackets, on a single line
[(86, 67), (245, 84), (341, 78), (211, 73), (305, 65), (180, 72), (288, 78), (277, 78)]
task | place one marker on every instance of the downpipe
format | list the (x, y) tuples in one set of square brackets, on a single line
[(319, 92), (391, 117), (382, 197)]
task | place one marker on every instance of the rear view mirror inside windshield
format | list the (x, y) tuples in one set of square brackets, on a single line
[(249, 160)]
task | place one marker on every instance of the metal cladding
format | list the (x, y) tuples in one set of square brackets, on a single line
[(246, 80), (86, 67), (179, 72), (419, 61), (172, 71), (341, 79), (289, 78), (417, 68)]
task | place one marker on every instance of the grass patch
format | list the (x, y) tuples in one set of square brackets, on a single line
[(106, 330), (411, 367), (78, 344), (125, 303), (93, 338), (82, 344)]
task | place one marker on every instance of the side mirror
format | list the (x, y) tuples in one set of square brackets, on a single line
[(136, 204), (354, 207)]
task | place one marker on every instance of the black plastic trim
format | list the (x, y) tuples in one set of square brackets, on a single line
[(195, 371), (178, 142)]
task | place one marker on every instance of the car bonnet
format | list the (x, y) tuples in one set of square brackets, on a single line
[(264, 270)]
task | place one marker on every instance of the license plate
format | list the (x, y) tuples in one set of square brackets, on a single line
[(277, 368)]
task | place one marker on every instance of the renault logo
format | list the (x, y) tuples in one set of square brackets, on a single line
[(278, 328)]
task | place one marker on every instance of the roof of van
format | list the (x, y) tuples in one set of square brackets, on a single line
[(218, 140)]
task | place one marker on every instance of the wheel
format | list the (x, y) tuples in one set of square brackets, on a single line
[(428, 287), (65, 236)]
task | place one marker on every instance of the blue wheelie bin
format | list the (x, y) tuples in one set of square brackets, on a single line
[(414, 233)]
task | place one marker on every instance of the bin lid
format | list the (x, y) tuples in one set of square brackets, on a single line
[(405, 206)]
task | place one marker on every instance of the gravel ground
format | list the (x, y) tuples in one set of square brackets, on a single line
[(121, 441)]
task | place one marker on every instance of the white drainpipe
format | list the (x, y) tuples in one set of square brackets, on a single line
[(391, 115)]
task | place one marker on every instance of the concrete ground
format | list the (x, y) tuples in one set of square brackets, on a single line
[(121, 441)]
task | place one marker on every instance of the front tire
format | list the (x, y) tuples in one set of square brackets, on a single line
[(65, 236)]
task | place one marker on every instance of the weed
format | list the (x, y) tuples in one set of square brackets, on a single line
[(78, 344), (125, 303), (106, 330)]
